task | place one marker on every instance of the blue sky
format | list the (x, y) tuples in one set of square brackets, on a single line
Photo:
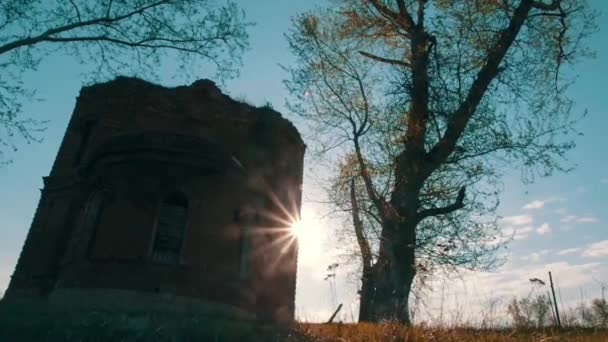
[(560, 223)]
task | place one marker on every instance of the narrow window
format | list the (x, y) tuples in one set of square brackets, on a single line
[(170, 229), (84, 141), (90, 219), (244, 253), (245, 218)]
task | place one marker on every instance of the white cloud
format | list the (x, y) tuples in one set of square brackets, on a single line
[(568, 251), (578, 219), (568, 218), (517, 226), (539, 204), (518, 233), (543, 229), (520, 236), (587, 219), (536, 256), (517, 220), (561, 211), (596, 250), (604, 180)]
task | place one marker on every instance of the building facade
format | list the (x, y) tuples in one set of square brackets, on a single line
[(167, 199)]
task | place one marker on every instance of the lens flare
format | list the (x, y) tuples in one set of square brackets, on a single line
[(298, 228)]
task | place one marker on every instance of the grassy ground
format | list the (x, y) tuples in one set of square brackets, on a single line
[(393, 332), (98, 326)]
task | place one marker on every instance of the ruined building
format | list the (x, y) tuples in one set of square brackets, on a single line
[(167, 199)]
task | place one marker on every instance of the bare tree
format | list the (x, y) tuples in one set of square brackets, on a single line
[(520, 313), (424, 104), (530, 311), (599, 308), (114, 36), (541, 306)]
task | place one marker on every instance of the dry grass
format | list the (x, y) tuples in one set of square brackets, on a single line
[(98, 326), (394, 332)]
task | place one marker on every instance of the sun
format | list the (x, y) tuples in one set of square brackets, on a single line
[(309, 235), (298, 228), (303, 229)]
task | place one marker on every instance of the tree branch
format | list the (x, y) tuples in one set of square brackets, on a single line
[(381, 205), (547, 7), (366, 254), (403, 18), (77, 10), (460, 118), (385, 60), (80, 24), (404, 13), (150, 43), (421, 10), (458, 204), (109, 9)]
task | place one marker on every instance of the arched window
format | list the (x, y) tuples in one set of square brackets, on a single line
[(84, 141), (90, 220), (170, 227)]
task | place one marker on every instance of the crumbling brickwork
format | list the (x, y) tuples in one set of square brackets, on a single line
[(171, 199)]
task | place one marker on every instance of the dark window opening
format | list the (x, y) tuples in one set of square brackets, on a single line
[(245, 217), (170, 229), (244, 253), (84, 141), (91, 217)]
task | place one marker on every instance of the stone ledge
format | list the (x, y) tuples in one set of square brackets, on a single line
[(117, 300)]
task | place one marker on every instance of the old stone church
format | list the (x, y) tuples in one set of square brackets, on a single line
[(167, 199)]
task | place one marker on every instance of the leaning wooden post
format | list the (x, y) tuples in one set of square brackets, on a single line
[(552, 308), (559, 322), (331, 319)]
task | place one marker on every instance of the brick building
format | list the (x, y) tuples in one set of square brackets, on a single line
[(168, 199)]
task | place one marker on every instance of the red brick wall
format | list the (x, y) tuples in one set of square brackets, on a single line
[(197, 132)]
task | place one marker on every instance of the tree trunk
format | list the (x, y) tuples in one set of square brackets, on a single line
[(394, 271), (366, 298), (392, 294), (395, 275)]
